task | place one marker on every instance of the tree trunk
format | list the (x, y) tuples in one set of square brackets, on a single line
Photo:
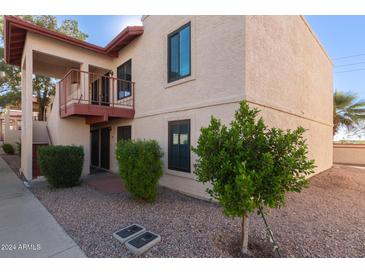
[(244, 234), (41, 113)]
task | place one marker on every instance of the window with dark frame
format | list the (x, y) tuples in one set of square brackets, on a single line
[(179, 145), (124, 72), (179, 53), (124, 133)]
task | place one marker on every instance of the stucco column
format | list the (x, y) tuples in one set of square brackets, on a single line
[(84, 81), (27, 111)]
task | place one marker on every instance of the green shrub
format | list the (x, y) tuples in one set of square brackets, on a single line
[(140, 166), (61, 165), (8, 149)]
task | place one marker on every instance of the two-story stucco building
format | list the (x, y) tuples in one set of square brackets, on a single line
[(165, 79)]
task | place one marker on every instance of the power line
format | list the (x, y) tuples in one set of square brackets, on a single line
[(348, 56), (350, 64), (351, 70)]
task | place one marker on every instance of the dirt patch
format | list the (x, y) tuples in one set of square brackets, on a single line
[(325, 220)]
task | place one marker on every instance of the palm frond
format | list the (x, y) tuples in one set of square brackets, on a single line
[(348, 109)]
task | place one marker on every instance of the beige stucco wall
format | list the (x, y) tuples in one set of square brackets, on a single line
[(215, 86), (55, 60), (10, 135), (45, 45), (276, 62), (273, 61), (155, 127), (290, 77), (217, 68), (349, 154), (70, 131)]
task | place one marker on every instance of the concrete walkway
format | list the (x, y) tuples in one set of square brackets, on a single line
[(27, 229)]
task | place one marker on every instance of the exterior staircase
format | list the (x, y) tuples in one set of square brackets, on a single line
[(41, 137)]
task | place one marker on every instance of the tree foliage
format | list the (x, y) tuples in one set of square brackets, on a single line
[(249, 165), (10, 91), (71, 28), (348, 111), (44, 87)]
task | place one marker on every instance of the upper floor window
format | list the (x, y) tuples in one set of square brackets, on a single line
[(124, 72), (179, 54)]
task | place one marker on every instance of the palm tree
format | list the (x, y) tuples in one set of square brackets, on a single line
[(348, 110)]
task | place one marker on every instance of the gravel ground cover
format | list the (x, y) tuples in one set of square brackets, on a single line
[(325, 220)]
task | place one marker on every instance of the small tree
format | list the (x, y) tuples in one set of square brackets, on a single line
[(251, 166)]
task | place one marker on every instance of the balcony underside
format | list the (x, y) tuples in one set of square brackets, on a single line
[(96, 113)]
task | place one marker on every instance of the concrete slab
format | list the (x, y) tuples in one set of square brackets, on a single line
[(68, 253), (140, 244), (129, 232), (27, 229)]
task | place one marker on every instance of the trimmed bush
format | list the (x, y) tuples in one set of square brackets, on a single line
[(61, 165), (140, 166), (8, 149)]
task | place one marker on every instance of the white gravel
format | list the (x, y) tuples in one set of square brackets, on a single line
[(326, 220)]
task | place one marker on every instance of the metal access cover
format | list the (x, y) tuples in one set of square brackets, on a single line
[(128, 232), (143, 242)]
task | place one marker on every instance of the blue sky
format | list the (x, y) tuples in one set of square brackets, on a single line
[(102, 29), (344, 36)]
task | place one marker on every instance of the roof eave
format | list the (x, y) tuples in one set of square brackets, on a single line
[(125, 36), (132, 32)]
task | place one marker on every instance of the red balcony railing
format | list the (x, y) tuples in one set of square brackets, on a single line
[(104, 94)]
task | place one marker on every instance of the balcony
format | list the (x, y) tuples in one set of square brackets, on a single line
[(97, 97)]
